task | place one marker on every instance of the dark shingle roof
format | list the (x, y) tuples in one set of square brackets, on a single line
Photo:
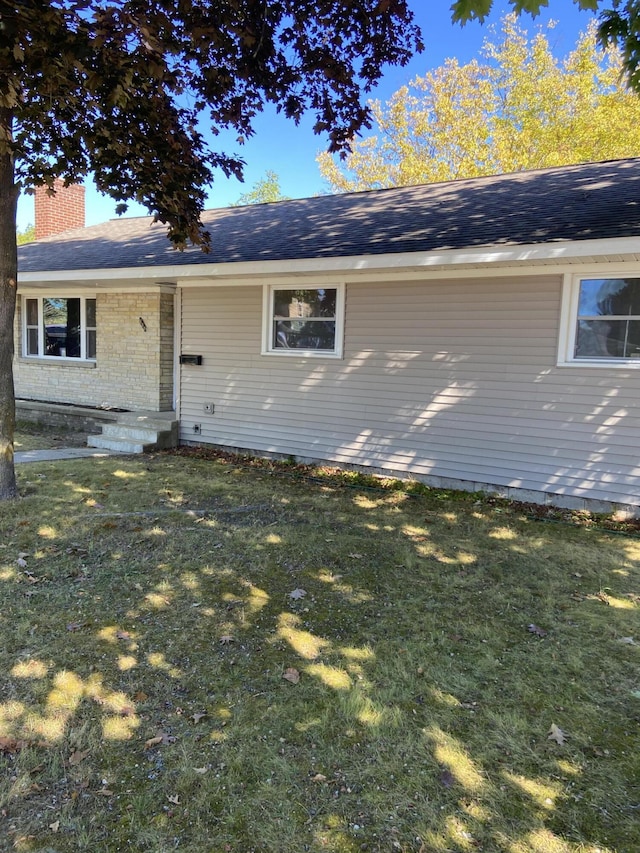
[(569, 203)]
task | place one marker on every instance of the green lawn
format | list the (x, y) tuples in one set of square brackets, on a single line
[(206, 656), (31, 436)]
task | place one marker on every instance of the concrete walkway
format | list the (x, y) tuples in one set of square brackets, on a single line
[(64, 453)]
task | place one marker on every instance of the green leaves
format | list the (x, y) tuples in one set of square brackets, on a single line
[(517, 107), (265, 190), (618, 26), (469, 10)]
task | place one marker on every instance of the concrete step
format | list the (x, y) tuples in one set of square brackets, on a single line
[(145, 435), (137, 432), (124, 445), (153, 420)]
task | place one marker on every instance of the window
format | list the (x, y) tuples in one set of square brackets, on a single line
[(60, 327), (602, 321), (303, 321)]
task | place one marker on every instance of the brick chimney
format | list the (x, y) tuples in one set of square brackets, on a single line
[(60, 212)]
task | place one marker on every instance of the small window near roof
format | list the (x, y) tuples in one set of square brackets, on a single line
[(603, 321), (303, 321)]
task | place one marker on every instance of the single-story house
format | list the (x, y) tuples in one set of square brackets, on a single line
[(481, 334)]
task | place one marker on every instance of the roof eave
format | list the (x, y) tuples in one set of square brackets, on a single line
[(489, 256)]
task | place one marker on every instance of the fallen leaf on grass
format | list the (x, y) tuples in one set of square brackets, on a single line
[(556, 734), (55, 826), (200, 770), (297, 594), (78, 550), (104, 792), (199, 715), (291, 674), (319, 777), (77, 756), (534, 629), (10, 744), (123, 635), (161, 738), (174, 798), (356, 556), (628, 641), (22, 563)]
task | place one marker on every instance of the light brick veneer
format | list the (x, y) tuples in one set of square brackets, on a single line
[(133, 367)]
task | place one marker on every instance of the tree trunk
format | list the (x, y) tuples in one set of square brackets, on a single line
[(8, 285)]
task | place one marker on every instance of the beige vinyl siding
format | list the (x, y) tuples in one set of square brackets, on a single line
[(452, 380)]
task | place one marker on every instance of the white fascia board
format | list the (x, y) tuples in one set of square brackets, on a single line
[(96, 280), (193, 274)]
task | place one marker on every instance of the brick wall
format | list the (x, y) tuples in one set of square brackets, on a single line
[(60, 212), (133, 367), (166, 351)]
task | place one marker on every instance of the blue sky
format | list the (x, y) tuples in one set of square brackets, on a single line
[(290, 150)]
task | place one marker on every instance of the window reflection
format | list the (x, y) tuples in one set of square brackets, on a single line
[(60, 327), (305, 319), (617, 336)]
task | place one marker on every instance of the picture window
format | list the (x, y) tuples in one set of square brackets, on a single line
[(60, 327)]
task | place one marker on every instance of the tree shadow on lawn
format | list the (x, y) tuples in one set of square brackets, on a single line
[(204, 657), (31, 436)]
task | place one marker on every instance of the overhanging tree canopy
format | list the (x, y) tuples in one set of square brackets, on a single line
[(123, 89)]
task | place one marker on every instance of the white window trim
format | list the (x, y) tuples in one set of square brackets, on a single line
[(569, 324), (267, 321), (41, 355)]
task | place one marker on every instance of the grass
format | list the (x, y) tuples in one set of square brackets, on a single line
[(161, 688), (32, 436)]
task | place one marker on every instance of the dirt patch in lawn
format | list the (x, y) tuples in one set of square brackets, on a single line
[(31, 436)]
